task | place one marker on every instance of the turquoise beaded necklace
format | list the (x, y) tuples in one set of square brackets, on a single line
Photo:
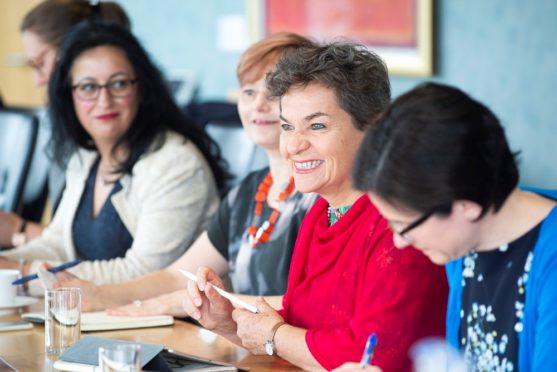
[(334, 214)]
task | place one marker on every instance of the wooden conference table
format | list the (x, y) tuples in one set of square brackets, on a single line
[(25, 349)]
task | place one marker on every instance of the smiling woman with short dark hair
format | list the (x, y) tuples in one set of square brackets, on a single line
[(346, 279)]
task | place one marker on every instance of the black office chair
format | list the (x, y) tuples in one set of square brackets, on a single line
[(18, 133), (242, 155)]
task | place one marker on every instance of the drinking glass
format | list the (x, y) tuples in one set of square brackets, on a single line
[(62, 319), (120, 357)]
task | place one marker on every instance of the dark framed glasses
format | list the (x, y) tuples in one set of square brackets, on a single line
[(412, 225), (89, 91)]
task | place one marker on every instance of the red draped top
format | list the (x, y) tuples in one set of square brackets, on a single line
[(348, 280)]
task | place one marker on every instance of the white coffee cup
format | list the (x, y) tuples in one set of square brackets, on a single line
[(8, 291)]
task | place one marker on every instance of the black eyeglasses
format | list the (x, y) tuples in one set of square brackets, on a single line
[(420, 220), (89, 91)]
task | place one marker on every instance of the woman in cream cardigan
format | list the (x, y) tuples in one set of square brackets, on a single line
[(140, 185)]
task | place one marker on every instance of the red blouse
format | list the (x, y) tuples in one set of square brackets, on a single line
[(348, 280)]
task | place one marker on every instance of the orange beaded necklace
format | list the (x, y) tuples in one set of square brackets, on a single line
[(263, 233)]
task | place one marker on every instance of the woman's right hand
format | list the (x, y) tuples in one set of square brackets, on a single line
[(204, 304), (91, 295), (355, 367)]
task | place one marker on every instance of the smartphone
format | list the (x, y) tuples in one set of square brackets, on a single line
[(15, 325)]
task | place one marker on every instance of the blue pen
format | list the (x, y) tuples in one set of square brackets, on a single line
[(54, 270), (368, 351)]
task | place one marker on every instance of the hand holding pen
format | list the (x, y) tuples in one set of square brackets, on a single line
[(368, 350), (204, 304), (367, 357), (222, 292), (355, 367), (53, 270)]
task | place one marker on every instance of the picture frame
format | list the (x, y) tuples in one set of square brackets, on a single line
[(400, 31)]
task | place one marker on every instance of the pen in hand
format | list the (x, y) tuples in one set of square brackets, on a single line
[(54, 270), (368, 350), (223, 293)]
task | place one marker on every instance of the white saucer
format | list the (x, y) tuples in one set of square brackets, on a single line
[(20, 301)]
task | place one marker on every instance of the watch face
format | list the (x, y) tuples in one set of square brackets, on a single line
[(269, 347)]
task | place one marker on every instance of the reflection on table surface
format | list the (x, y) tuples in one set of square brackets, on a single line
[(25, 349)]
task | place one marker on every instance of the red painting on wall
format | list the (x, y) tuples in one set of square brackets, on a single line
[(369, 22), (398, 30)]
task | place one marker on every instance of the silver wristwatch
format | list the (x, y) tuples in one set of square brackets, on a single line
[(270, 343), (270, 347)]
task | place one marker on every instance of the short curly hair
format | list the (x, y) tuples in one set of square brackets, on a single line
[(357, 75)]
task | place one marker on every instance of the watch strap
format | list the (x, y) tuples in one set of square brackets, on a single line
[(270, 347), (275, 329)]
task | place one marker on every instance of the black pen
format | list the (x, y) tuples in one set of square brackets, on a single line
[(53, 270)]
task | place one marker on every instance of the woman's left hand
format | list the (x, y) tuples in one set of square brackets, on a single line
[(255, 329), (167, 304)]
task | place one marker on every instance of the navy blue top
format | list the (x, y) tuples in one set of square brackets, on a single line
[(492, 310), (103, 237)]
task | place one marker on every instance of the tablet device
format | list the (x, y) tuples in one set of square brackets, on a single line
[(83, 356), (169, 360)]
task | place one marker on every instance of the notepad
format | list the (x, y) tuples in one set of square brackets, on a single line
[(100, 321)]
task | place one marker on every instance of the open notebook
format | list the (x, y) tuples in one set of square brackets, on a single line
[(100, 321)]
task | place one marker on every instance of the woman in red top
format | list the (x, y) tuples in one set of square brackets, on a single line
[(347, 279)]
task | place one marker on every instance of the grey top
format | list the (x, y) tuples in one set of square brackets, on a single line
[(262, 270)]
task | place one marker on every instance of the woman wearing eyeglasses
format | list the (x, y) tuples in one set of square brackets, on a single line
[(439, 168), (42, 31), (142, 181)]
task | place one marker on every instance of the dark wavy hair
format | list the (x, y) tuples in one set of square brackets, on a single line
[(433, 146), (157, 110), (358, 77)]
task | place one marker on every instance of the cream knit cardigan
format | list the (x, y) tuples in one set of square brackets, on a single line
[(165, 204)]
